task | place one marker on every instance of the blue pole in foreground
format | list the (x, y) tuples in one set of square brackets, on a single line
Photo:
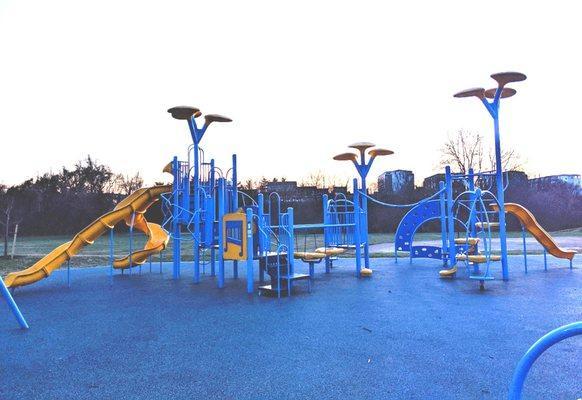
[(545, 342), (524, 248), (250, 255), (13, 306)]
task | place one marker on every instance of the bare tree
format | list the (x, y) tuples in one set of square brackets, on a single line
[(465, 150), (9, 210), (126, 184)]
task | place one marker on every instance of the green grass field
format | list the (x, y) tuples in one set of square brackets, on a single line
[(31, 249)]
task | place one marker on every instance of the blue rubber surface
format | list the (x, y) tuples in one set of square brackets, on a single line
[(403, 334)]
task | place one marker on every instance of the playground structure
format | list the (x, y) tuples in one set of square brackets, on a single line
[(203, 208), (469, 209)]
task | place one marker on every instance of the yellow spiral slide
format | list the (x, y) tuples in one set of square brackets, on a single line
[(135, 204)]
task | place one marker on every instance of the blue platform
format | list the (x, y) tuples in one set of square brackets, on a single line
[(403, 334)]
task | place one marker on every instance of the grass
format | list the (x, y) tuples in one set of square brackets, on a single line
[(31, 249)]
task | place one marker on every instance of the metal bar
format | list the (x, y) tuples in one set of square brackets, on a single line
[(220, 233), (500, 195), (250, 258), (524, 248), (450, 219), (535, 351), (545, 260), (13, 306), (131, 242), (357, 229), (111, 255), (443, 220), (176, 253)]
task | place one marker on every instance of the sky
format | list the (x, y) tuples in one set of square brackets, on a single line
[(301, 81)]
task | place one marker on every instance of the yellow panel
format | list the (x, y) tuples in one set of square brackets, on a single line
[(234, 236)]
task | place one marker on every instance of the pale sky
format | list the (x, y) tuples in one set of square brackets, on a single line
[(300, 79)]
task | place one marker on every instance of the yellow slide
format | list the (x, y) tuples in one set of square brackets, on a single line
[(138, 202), (531, 224)]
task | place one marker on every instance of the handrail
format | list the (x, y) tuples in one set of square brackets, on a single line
[(536, 350), (254, 203), (425, 200)]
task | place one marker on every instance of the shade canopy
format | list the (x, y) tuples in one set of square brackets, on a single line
[(505, 92), (477, 92), (361, 145), (503, 78), (346, 157), (210, 118), (184, 112), (380, 152)]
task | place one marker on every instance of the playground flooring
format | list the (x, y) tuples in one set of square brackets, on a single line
[(403, 334)]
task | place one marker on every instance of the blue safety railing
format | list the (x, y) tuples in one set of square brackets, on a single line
[(535, 351)]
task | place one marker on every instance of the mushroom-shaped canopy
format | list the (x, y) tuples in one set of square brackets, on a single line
[(503, 78), (380, 152), (361, 145), (505, 92), (184, 112), (346, 157), (477, 92), (210, 118)]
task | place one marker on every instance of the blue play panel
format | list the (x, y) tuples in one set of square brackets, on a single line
[(403, 334)]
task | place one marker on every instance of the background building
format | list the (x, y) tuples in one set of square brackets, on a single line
[(395, 182)]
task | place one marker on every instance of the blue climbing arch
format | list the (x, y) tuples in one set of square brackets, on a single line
[(418, 215)]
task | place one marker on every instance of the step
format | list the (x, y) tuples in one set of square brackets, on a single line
[(307, 256), (330, 251), (470, 241), (481, 278), (477, 258), (448, 273), (366, 272), (486, 225)]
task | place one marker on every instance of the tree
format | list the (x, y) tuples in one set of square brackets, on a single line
[(126, 184), (465, 150), (10, 213)]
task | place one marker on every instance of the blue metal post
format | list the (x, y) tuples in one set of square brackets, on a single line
[(325, 233), (500, 194), (290, 248), (545, 260), (260, 234), (524, 248), (68, 272), (538, 348), (450, 219), (212, 190), (443, 209), (357, 229), (220, 233), (161, 258), (12, 304), (111, 255), (177, 253), (131, 241), (234, 203), (250, 258)]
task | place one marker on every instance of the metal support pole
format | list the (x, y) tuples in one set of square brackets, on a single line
[(524, 248), (290, 249), (325, 235), (357, 229), (220, 232), (131, 242), (450, 219), (250, 258), (545, 260), (260, 234), (443, 218), (161, 258), (12, 304), (177, 253), (68, 272), (500, 196), (111, 255)]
